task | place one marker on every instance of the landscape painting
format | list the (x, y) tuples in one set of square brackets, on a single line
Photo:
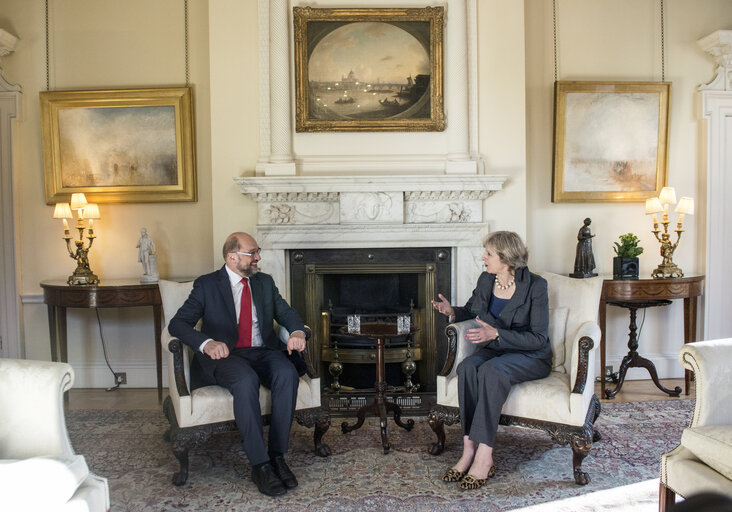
[(610, 141), (119, 146), (369, 69)]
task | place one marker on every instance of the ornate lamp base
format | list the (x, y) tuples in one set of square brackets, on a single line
[(667, 271), (82, 277)]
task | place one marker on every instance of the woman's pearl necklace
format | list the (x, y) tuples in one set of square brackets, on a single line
[(504, 286)]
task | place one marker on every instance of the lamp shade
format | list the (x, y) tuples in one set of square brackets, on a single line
[(686, 205), (653, 205), (668, 196), (91, 211), (62, 211), (78, 201)]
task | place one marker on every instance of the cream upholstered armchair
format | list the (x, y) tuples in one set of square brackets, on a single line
[(38, 467), (194, 416), (563, 404), (702, 462)]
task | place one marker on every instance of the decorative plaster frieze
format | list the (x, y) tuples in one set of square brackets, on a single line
[(298, 213), (424, 212), (306, 197), (448, 195), (358, 207)]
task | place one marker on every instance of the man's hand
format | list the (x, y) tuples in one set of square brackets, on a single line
[(216, 350), (296, 342)]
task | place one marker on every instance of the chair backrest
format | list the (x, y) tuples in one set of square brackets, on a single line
[(581, 298), (173, 295), (31, 401)]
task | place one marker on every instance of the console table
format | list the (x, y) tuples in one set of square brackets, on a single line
[(58, 296), (641, 293), (380, 406)]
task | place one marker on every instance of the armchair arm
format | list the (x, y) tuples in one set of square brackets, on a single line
[(582, 368), (710, 361), (457, 348), (176, 349), (284, 336)]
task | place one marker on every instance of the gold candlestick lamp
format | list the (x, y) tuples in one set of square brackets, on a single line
[(83, 275), (654, 205)]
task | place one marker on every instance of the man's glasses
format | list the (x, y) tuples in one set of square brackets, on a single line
[(258, 252)]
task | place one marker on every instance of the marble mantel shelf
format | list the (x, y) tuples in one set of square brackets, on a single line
[(327, 188)]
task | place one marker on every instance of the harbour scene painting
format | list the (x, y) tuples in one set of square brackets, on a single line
[(369, 69)]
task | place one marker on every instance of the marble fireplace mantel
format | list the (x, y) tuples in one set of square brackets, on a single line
[(319, 212)]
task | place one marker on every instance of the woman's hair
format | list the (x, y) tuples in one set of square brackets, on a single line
[(509, 247)]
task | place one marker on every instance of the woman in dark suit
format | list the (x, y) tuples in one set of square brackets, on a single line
[(511, 307)]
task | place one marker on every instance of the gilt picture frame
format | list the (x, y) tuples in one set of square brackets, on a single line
[(119, 146), (368, 69), (610, 140)]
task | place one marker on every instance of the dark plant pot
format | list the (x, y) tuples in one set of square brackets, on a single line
[(625, 268)]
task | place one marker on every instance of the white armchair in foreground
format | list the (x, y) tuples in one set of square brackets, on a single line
[(702, 462), (38, 467)]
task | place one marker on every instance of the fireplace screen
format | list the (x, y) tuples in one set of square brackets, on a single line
[(331, 287)]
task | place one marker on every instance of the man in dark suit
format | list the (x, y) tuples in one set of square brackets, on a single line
[(238, 348)]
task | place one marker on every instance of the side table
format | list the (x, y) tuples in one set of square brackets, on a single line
[(639, 293), (58, 296), (380, 406)]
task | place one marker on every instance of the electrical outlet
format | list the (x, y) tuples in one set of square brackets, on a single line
[(120, 378), (609, 371)]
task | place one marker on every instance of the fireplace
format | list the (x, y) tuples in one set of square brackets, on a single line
[(324, 236), (327, 285)]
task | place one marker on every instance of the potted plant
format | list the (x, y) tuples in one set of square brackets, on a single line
[(625, 264)]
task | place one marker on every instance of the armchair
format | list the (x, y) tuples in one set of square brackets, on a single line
[(701, 463), (195, 415), (38, 467), (563, 404)]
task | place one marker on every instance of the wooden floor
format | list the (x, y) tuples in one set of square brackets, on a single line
[(147, 398)]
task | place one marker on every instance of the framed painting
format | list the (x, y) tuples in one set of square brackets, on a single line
[(369, 69), (119, 146), (610, 140)]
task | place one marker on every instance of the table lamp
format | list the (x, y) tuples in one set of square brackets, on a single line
[(83, 275), (654, 206)]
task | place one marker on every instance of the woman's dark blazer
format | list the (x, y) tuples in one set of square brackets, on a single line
[(524, 322)]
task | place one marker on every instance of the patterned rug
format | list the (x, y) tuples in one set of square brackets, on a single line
[(128, 448)]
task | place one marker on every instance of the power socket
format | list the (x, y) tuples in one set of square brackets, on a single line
[(120, 378)]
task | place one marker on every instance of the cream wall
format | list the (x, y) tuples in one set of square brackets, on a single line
[(100, 44), (620, 40), (137, 43)]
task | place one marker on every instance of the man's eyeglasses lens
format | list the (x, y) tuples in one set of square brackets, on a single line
[(258, 252)]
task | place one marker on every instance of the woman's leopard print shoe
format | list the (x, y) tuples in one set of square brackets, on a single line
[(453, 475), (470, 482)]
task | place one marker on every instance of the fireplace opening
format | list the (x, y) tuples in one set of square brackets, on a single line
[(378, 285)]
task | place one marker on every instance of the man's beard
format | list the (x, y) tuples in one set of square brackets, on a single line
[(247, 270)]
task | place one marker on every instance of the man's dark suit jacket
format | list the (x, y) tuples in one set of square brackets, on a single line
[(524, 322), (211, 300)]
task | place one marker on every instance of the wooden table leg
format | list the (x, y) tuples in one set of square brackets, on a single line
[(62, 338), (52, 330), (601, 320), (689, 333)]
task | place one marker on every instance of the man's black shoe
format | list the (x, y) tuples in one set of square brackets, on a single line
[(283, 472), (267, 481)]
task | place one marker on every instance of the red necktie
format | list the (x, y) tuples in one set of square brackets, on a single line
[(245, 317)]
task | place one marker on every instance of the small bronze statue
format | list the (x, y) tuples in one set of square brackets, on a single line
[(584, 260)]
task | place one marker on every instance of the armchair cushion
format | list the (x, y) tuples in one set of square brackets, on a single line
[(60, 477), (712, 445), (557, 329)]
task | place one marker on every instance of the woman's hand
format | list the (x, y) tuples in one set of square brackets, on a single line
[(443, 306), (485, 332)]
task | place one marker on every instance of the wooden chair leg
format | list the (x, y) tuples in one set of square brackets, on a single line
[(666, 498), (322, 424), (580, 448), (438, 427), (181, 453)]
